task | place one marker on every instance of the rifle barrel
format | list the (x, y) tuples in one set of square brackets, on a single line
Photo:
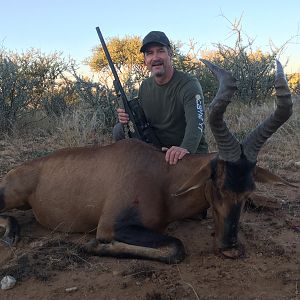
[(107, 54), (117, 84)]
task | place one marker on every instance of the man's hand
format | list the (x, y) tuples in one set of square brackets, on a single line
[(174, 154), (122, 116)]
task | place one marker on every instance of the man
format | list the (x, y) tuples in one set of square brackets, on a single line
[(172, 101)]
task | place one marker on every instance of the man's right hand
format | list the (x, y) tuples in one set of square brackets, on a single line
[(174, 154), (122, 116)]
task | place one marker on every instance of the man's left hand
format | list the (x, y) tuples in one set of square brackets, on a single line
[(174, 154)]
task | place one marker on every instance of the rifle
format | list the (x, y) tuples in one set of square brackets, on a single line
[(138, 126)]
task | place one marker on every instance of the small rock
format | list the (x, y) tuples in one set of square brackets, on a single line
[(297, 164), (71, 289), (116, 273), (8, 282), (37, 244)]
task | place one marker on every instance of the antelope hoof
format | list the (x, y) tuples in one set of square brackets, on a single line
[(90, 246), (12, 230), (233, 253), (10, 240)]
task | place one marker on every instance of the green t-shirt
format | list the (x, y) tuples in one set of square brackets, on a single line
[(176, 111)]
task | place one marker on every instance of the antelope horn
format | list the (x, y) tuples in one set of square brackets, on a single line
[(228, 146), (255, 140)]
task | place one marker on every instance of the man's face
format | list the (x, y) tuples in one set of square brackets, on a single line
[(158, 60)]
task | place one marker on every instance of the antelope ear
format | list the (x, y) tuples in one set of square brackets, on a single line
[(264, 176), (195, 181)]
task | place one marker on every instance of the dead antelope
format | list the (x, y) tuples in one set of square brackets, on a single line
[(130, 200)]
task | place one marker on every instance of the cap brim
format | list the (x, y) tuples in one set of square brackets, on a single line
[(144, 47)]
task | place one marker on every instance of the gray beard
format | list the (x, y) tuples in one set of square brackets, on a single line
[(158, 74)]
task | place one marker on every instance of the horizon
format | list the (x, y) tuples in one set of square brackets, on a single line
[(70, 27)]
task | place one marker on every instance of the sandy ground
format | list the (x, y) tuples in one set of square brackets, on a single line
[(49, 265)]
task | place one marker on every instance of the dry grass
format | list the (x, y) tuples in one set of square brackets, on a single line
[(83, 128), (80, 128)]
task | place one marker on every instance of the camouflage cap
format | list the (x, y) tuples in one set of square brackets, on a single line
[(155, 37)]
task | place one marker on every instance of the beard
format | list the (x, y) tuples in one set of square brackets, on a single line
[(158, 72)]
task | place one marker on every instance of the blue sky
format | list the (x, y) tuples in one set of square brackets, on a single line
[(69, 26)]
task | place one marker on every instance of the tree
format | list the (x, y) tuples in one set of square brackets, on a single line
[(294, 83), (253, 69), (128, 61)]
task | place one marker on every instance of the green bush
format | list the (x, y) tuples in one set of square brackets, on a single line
[(27, 80)]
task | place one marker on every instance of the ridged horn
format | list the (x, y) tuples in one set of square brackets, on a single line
[(228, 146), (255, 140)]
